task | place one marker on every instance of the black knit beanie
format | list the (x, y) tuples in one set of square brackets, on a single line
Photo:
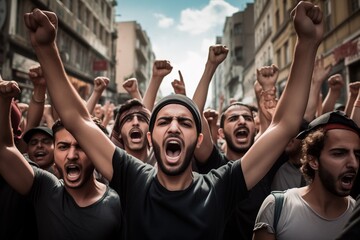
[(176, 99)]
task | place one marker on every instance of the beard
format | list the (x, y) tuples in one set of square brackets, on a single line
[(329, 182), (179, 170), (242, 149)]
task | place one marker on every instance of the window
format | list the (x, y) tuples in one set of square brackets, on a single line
[(237, 29), (278, 58), (287, 53), (285, 14), (354, 5), (239, 54), (327, 15)]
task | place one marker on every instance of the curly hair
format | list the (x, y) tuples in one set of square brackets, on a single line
[(312, 146)]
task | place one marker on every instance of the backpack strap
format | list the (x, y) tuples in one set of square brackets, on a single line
[(279, 199)]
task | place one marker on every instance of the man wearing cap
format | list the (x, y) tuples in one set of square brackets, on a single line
[(330, 162), (130, 128), (40, 147), (172, 201)]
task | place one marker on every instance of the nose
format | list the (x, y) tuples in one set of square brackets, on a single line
[(241, 120), (39, 143), (174, 126), (135, 120), (72, 153), (353, 161)]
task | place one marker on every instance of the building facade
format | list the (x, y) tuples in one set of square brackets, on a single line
[(86, 41), (134, 56), (238, 36)]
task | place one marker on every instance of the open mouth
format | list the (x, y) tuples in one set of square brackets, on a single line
[(72, 172), (347, 180), (173, 148), (135, 135), (241, 133), (39, 154)]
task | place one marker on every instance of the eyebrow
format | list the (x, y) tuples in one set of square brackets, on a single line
[(179, 118)]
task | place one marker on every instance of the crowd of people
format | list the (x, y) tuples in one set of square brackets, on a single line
[(171, 169)]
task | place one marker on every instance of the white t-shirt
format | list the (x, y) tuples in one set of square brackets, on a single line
[(298, 221)]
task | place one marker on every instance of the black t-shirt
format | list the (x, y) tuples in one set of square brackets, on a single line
[(59, 217), (153, 212), (241, 223), (17, 216)]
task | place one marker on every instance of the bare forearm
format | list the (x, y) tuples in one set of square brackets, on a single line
[(151, 92), (202, 89)]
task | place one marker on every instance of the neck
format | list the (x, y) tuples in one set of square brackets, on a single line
[(87, 194), (323, 202), (139, 154), (176, 183)]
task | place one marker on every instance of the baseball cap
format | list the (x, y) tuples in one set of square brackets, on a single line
[(330, 120), (27, 135)]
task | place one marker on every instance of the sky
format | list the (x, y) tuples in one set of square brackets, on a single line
[(180, 31)]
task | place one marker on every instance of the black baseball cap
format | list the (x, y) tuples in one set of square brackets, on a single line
[(42, 129), (330, 120)]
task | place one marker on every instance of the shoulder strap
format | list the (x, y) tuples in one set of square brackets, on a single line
[(279, 199)]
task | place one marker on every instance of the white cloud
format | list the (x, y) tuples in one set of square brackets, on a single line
[(164, 21), (196, 21)]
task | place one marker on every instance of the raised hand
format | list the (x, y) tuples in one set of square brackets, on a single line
[(131, 85), (179, 85), (307, 19), (336, 82), (100, 83), (267, 77), (9, 89), (161, 68), (217, 54), (42, 27), (36, 76), (320, 72), (354, 88)]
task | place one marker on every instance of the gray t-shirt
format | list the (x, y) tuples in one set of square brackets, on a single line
[(298, 221), (288, 176)]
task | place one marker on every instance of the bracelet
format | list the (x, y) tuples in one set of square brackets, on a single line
[(357, 104), (37, 101)]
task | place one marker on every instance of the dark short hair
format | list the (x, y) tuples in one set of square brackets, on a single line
[(124, 109), (222, 117)]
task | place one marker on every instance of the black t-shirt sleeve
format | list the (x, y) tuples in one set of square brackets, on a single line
[(216, 160)]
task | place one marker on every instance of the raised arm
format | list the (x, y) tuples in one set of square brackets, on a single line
[(352, 97), (217, 54), (257, 161), (161, 68), (132, 87), (179, 85), (265, 91), (355, 113), (71, 108), (336, 83), (37, 101), (13, 167), (100, 84), (320, 73)]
